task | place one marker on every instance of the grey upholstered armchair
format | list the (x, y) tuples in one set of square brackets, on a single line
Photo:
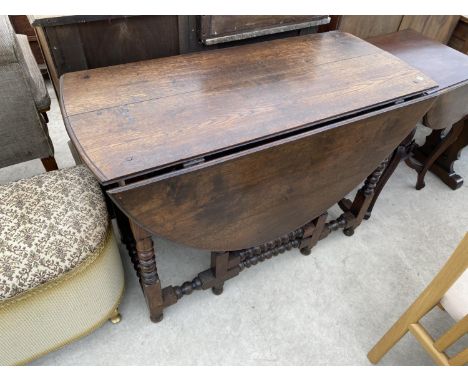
[(23, 103)]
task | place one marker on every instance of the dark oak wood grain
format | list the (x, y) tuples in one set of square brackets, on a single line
[(259, 194), (123, 119), (241, 151)]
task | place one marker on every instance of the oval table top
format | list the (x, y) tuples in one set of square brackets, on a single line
[(134, 119)]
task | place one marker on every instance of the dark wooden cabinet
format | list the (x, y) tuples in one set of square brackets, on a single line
[(72, 43)]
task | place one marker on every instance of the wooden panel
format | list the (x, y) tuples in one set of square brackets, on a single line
[(67, 48), (368, 26), (47, 54), (459, 38), (215, 29), (123, 119), (54, 20), (438, 28), (188, 35), (72, 43), (125, 40), (262, 193)]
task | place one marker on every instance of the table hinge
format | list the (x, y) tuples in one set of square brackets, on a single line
[(193, 162)]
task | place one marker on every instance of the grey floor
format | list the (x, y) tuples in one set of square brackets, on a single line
[(325, 309)]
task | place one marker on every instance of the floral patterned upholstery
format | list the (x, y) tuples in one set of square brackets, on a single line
[(49, 224)]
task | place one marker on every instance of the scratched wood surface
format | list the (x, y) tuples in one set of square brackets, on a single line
[(258, 196), (130, 119)]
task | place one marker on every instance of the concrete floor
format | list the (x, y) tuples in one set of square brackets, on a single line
[(326, 309)]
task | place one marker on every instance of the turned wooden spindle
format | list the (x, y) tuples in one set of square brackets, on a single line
[(150, 282)]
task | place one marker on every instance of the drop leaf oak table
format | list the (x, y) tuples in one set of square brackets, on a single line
[(241, 151)]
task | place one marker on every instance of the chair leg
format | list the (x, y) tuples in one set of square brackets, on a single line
[(387, 342), (49, 164), (44, 115), (426, 301)]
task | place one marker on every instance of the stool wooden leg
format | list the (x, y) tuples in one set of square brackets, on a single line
[(49, 164), (116, 317), (150, 282), (44, 115)]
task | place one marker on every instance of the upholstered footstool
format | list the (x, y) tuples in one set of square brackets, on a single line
[(61, 275)]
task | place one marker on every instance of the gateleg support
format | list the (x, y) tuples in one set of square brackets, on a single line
[(312, 233)]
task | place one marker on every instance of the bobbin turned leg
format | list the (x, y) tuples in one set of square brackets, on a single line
[(312, 232), (150, 282), (363, 199), (219, 265), (126, 237)]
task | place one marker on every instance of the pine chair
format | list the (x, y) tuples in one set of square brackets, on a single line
[(448, 290)]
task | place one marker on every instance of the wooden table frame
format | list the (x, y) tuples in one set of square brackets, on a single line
[(250, 158), (228, 264)]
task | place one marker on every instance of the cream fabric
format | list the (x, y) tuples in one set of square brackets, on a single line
[(63, 310), (455, 301), (49, 224)]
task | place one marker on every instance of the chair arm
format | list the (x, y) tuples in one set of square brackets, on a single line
[(33, 74), (7, 41)]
